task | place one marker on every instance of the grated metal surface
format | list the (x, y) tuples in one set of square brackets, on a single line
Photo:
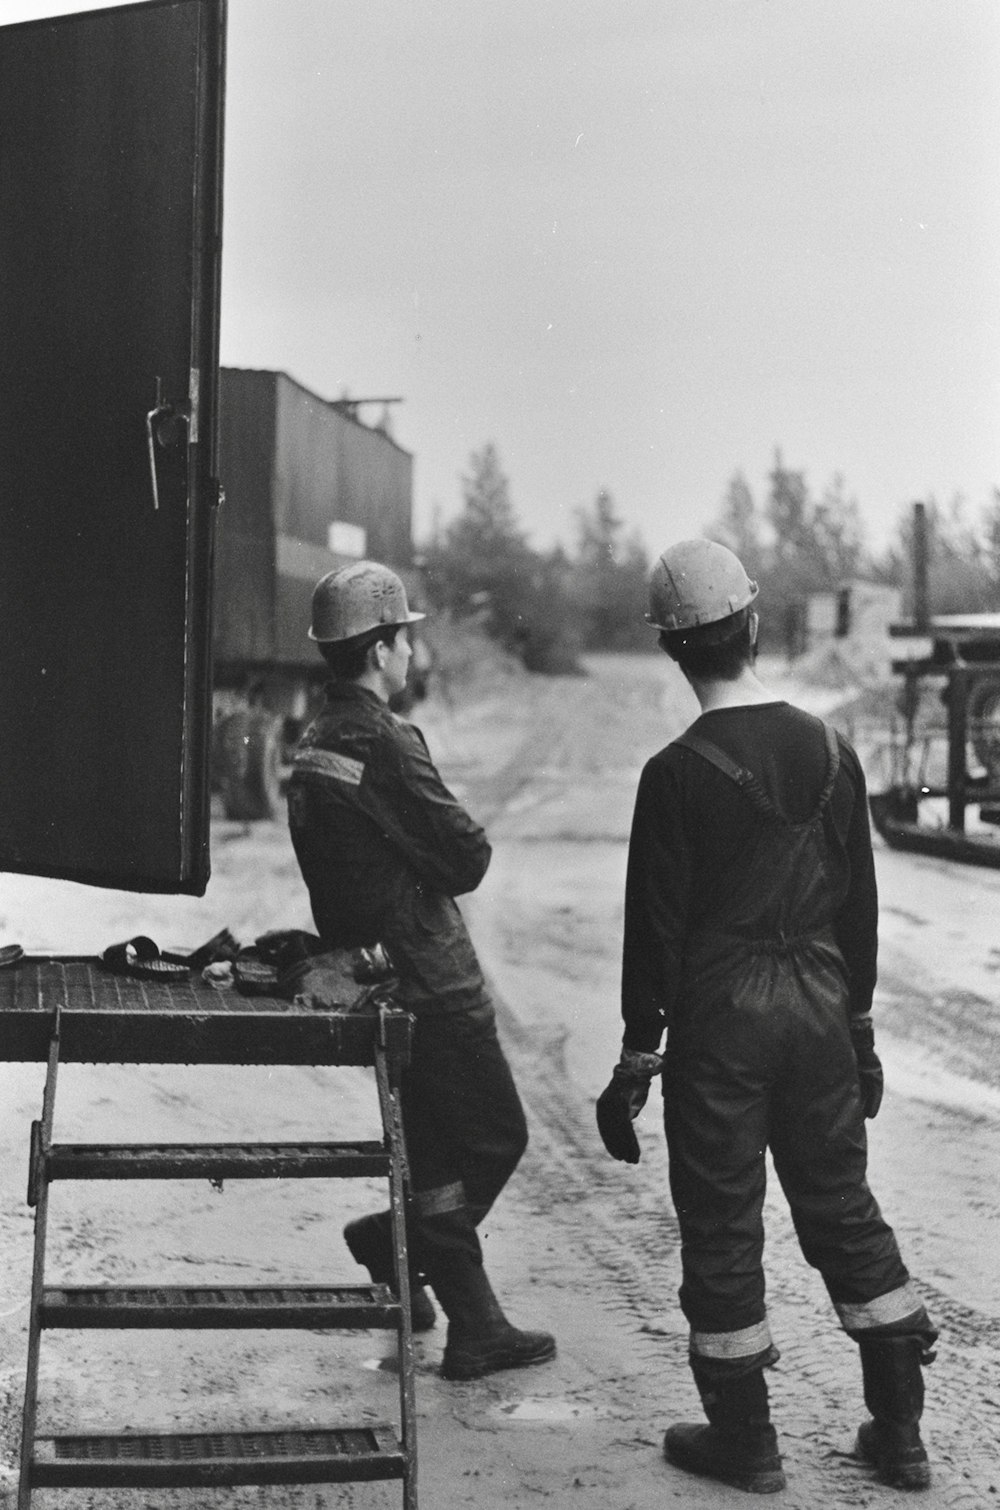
[(230, 1161), (81, 983), (120, 1019), (342, 1442), (213, 1459), (326, 1307), (208, 1295)]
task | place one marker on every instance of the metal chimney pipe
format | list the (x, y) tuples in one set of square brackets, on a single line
[(921, 600)]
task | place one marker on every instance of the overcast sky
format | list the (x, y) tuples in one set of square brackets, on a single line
[(636, 244)]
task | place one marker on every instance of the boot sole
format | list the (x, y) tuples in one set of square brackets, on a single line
[(915, 1475), (755, 1481), (460, 1370)]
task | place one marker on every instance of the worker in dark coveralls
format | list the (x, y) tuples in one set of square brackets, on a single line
[(384, 849), (750, 941)]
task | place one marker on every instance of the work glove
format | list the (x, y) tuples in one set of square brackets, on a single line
[(623, 1100), (284, 946), (870, 1077)]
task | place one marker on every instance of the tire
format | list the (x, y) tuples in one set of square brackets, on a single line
[(247, 755)]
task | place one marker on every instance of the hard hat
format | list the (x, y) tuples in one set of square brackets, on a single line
[(697, 582), (353, 599)]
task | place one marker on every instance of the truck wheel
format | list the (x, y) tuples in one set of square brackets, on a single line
[(247, 753)]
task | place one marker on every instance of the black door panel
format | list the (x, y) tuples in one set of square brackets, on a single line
[(110, 217)]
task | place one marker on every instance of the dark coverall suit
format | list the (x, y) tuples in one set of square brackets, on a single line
[(750, 932), (384, 848)]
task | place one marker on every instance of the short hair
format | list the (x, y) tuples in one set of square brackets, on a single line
[(348, 659), (712, 652)]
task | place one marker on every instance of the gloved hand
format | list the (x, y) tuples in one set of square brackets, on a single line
[(869, 1065), (623, 1100)]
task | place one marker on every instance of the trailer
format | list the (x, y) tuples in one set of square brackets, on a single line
[(943, 793), (307, 487)]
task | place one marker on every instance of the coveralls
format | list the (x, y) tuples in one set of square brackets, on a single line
[(750, 933), (384, 848)]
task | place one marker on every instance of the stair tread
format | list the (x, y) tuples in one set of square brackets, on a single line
[(195, 1149), (213, 1294), (328, 1306), (222, 1160), (332, 1453)]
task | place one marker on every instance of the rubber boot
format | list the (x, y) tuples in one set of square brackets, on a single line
[(894, 1393), (739, 1446), (480, 1338), (370, 1242)]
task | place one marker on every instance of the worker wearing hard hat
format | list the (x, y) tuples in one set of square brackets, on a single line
[(750, 941), (384, 849)]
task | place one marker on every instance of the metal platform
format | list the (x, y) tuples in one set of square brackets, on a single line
[(120, 1019)]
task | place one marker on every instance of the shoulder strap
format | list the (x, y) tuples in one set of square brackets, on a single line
[(711, 752), (744, 779), (747, 781)]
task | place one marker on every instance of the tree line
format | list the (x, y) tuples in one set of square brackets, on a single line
[(546, 607)]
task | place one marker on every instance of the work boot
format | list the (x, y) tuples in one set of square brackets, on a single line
[(480, 1338), (894, 1393), (370, 1242), (739, 1446)]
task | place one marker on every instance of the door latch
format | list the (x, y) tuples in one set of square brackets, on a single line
[(163, 426)]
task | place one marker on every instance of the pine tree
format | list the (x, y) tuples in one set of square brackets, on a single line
[(482, 566), (737, 523), (610, 579)]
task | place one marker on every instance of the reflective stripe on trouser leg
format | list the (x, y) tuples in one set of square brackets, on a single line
[(898, 1305), (424, 1203), (736, 1347), (442, 1229)]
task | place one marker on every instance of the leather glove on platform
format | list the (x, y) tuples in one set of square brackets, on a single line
[(869, 1065), (623, 1100)]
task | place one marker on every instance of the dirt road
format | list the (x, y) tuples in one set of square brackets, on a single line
[(578, 1243)]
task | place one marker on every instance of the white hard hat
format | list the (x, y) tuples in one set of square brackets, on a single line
[(697, 582)]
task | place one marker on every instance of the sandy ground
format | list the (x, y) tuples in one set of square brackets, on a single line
[(577, 1243)]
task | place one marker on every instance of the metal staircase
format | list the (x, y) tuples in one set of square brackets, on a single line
[(331, 1453)]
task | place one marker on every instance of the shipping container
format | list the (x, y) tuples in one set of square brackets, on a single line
[(307, 487)]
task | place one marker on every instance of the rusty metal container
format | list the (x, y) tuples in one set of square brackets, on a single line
[(301, 478)]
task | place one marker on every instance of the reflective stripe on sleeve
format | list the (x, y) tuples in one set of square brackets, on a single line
[(744, 1344), (882, 1311), (436, 1202), (329, 763)]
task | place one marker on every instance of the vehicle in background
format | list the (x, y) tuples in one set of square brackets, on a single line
[(947, 759), (307, 487)]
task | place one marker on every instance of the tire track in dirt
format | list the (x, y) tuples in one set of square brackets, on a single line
[(963, 1027)]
